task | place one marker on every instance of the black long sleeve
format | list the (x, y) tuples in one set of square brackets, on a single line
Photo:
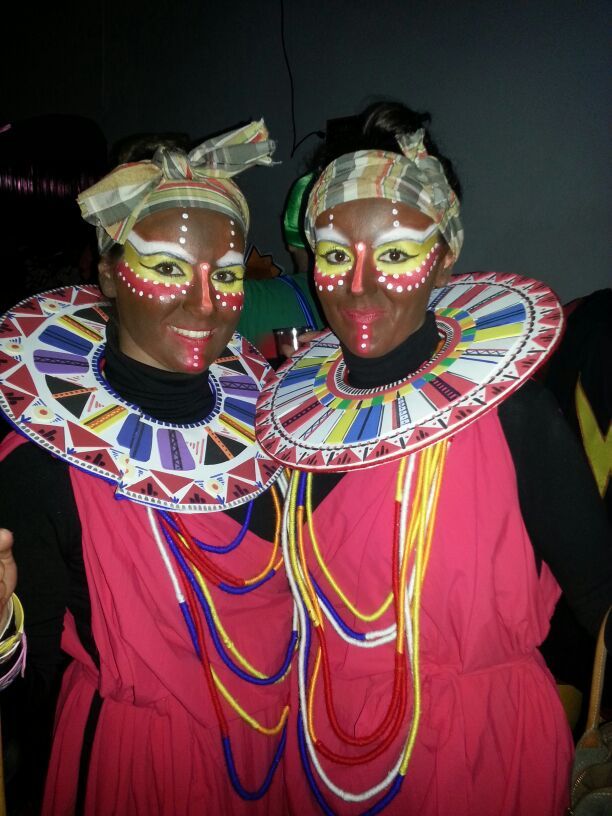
[(561, 508)]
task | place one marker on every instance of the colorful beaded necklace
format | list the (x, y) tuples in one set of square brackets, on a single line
[(192, 572), (414, 521)]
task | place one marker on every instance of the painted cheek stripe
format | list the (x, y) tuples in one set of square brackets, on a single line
[(205, 302), (328, 282), (408, 281), (230, 300), (357, 282), (365, 338), (150, 289)]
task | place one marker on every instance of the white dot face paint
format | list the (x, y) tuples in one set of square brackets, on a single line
[(166, 297), (380, 250)]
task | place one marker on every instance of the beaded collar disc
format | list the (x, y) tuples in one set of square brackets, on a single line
[(52, 390), (495, 331)]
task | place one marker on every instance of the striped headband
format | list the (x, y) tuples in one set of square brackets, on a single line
[(413, 177), (176, 179)]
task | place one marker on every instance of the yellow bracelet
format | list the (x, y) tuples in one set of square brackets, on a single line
[(8, 643)]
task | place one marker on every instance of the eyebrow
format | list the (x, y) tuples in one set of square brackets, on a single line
[(144, 247), (405, 234), (231, 258), (328, 233)]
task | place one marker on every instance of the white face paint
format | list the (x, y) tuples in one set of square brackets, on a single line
[(400, 233), (231, 258), (330, 233), (144, 247)]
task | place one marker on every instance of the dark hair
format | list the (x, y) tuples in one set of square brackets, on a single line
[(142, 146), (378, 128)]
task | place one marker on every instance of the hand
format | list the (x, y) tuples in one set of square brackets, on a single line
[(8, 573), (306, 337)]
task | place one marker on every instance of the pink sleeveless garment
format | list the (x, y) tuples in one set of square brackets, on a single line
[(157, 747), (493, 738)]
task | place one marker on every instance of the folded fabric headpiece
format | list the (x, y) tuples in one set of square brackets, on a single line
[(412, 177), (173, 178)]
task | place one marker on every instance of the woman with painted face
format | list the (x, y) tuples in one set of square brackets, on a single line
[(148, 541), (437, 505)]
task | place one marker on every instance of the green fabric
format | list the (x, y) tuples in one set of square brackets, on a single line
[(271, 304), (294, 212)]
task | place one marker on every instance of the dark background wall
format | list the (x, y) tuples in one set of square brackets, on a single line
[(519, 93)]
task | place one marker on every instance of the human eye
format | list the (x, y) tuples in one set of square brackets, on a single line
[(165, 268), (400, 257), (395, 255), (228, 278), (333, 258), (337, 257), (168, 269)]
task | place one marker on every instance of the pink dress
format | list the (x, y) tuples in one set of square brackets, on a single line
[(157, 748), (493, 738)]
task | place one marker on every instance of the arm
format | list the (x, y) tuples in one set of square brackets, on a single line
[(36, 504), (8, 576), (561, 507)]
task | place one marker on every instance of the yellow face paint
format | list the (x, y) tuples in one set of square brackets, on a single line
[(333, 259), (158, 275), (228, 280), (402, 257)]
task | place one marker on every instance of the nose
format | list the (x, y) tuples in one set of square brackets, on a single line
[(198, 301), (357, 280)]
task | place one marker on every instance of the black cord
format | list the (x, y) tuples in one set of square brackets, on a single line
[(319, 133), (286, 56)]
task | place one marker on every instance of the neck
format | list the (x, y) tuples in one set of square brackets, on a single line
[(403, 360)]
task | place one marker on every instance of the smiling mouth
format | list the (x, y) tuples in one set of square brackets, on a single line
[(193, 335)]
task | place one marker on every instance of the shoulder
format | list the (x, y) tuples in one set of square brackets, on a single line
[(31, 477), (532, 408), (34, 460)]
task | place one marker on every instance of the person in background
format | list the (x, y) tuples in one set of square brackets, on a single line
[(286, 299), (438, 504), (579, 374), (145, 518), (293, 221)]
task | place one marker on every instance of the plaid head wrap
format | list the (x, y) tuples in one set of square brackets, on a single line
[(414, 178), (177, 179)]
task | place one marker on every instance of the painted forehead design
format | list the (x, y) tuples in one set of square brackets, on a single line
[(231, 258), (153, 285), (331, 233), (144, 247), (400, 233), (396, 233)]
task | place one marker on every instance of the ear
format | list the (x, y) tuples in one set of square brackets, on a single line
[(444, 269), (107, 277)]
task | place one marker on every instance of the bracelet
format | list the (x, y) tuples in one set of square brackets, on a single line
[(9, 620), (18, 667), (7, 645)]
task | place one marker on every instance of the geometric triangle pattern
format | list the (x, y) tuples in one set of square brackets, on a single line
[(53, 392), (495, 331)]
